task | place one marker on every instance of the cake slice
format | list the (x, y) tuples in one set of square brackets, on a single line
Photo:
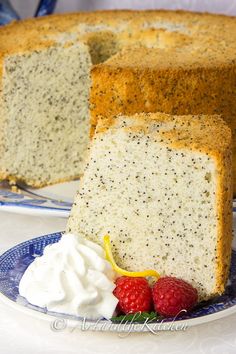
[(161, 187)]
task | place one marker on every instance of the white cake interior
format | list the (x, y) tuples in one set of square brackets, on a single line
[(46, 104), (157, 203)]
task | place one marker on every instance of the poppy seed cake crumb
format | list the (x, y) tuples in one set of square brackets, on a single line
[(46, 101), (161, 187)]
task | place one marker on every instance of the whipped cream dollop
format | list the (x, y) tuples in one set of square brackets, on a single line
[(73, 277)]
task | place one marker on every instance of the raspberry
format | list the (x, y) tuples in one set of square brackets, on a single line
[(134, 295), (171, 295)]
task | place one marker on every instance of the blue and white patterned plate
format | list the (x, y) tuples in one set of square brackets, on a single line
[(14, 262), (55, 200)]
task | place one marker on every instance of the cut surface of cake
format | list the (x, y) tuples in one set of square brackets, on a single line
[(44, 114), (145, 61), (161, 187)]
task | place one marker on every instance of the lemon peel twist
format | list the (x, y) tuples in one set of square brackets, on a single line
[(110, 258)]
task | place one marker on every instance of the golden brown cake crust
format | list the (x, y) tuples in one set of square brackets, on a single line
[(212, 35), (187, 131)]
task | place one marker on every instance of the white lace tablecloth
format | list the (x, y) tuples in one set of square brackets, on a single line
[(21, 334)]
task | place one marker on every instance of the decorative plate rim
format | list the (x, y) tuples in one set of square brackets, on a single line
[(26, 201), (71, 321), (117, 327)]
